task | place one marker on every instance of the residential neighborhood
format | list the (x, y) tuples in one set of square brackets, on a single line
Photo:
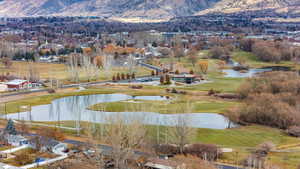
[(122, 84)]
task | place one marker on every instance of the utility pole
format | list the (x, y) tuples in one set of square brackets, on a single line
[(157, 131), (5, 110)]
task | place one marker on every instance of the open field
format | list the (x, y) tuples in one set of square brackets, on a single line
[(61, 72)]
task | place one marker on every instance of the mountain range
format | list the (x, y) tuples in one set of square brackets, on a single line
[(151, 9)]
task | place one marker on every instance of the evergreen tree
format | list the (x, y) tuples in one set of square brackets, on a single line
[(10, 128)]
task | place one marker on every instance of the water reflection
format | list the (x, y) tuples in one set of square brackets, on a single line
[(249, 73), (73, 108)]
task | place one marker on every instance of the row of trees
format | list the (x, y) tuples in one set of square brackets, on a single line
[(123, 76)]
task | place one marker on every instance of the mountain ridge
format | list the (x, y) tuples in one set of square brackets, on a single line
[(150, 9)]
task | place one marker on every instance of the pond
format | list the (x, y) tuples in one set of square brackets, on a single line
[(74, 108), (249, 73)]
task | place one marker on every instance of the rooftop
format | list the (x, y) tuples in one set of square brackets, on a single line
[(16, 82)]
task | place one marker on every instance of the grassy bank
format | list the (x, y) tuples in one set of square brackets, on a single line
[(165, 107), (251, 60)]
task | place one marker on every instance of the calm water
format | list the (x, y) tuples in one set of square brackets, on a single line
[(249, 73), (73, 108)]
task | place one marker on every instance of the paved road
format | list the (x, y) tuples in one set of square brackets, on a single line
[(156, 68), (228, 167)]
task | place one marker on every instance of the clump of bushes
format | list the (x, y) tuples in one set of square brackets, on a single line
[(270, 99), (265, 148), (51, 91), (294, 131), (204, 151)]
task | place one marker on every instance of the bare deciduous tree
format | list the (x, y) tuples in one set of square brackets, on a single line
[(181, 133), (124, 137), (73, 67), (33, 73)]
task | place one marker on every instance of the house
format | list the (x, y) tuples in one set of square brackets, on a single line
[(17, 84), (48, 144), (183, 78), (16, 140)]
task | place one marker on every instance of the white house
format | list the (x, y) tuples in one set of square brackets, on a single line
[(48, 144), (16, 140)]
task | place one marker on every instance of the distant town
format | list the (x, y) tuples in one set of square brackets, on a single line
[(198, 92)]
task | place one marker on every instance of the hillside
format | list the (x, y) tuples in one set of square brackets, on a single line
[(231, 6), (141, 9), (105, 8)]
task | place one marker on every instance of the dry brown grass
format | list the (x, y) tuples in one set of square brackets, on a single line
[(46, 70), (60, 71)]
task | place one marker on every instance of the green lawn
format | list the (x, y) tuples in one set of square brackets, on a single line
[(244, 140), (164, 106), (249, 136), (251, 60)]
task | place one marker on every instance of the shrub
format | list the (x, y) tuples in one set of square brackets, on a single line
[(168, 149), (267, 109), (211, 92), (271, 99), (174, 90), (247, 44), (52, 133), (264, 148), (219, 52), (294, 131), (205, 151), (51, 91), (266, 51)]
